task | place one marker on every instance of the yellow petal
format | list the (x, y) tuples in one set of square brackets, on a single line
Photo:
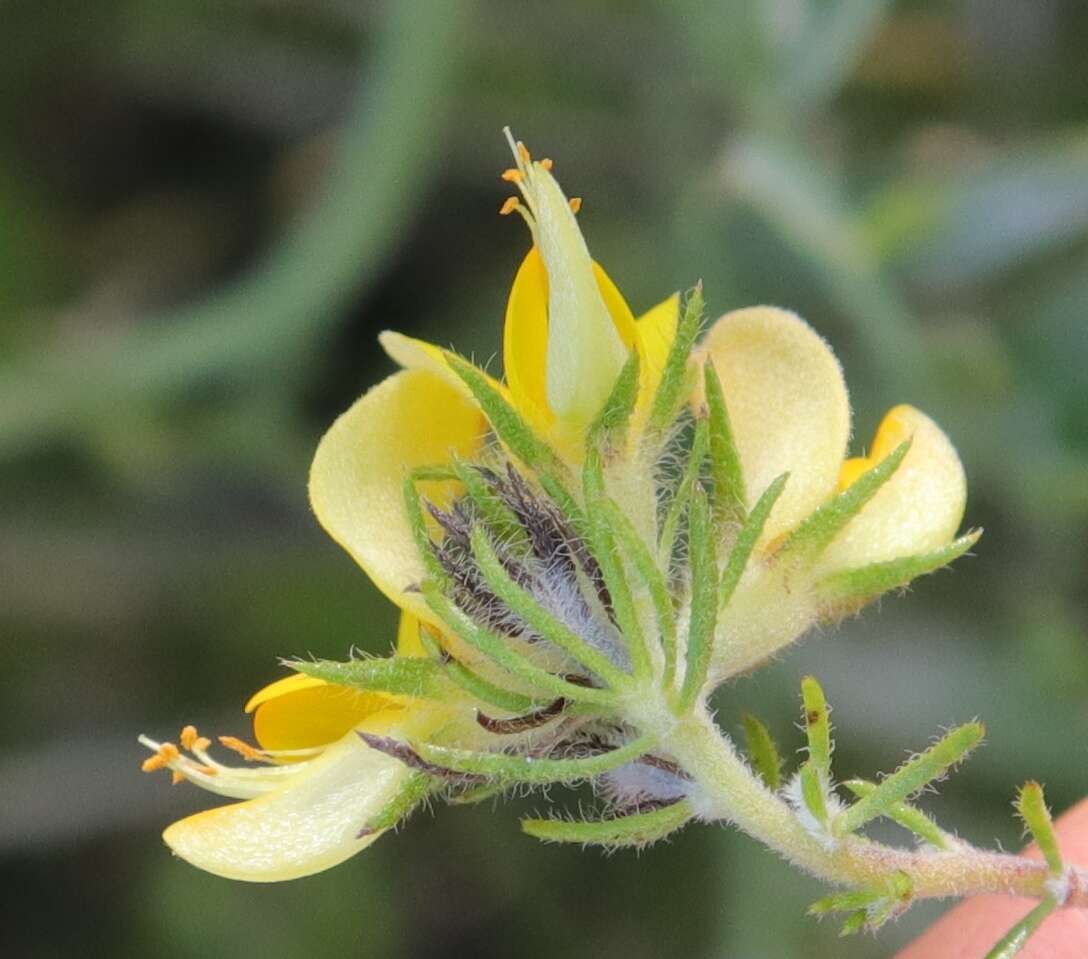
[(413, 418), (919, 509), (413, 354), (525, 341), (408, 641), (525, 337), (310, 823), (788, 406), (300, 712), (656, 331)]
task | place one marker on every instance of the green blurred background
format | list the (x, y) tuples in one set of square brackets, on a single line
[(207, 213)]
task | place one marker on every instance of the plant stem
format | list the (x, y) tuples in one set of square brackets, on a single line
[(734, 793)]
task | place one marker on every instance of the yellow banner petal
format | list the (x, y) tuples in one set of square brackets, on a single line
[(413, 418), (788, 405), (918, 510)]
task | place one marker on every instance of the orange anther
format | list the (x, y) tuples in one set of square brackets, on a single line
[(547, 163), (575, 204), (188, 737), (169, 752), (207, 770), (176, 778), (200, 744), (240, 746), (509, 206), (512, 175), (523, 152), (153, 763)]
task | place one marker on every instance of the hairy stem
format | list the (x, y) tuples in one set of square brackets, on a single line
[(734, 793)]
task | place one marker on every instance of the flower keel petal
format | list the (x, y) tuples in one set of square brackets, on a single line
[(311, 823)]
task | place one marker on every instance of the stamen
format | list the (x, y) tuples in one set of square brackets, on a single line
[(512, 175), (575, 204), (188, 737), (511, 204), (547, 164), (252, 753), (176, 777), (523, 152)]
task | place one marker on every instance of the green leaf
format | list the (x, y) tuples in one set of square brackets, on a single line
[(525, 605), (420, 534), (474, 684), (603, 546), (746, 541), (1016, 938), (908, 816), (763, 752), (910, 777), (496, 648), (399, 675), (636, 829), (1031, 806), (725, 466), (815, 534), (491, 508), (671, 388), (704, 601), (505, 767), (814, 791), (867, 582), (633, 545), (417, 789), (507, 422), (817, 725), (670, 528), (610, 427)]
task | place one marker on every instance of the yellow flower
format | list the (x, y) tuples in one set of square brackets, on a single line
[(312, 786), (317, 787)]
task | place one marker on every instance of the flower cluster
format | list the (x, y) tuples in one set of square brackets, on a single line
[(582, 554)]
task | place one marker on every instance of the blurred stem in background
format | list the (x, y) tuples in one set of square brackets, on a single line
[(255, 331)]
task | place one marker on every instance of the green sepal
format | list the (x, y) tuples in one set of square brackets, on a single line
[(763, 752), (815, 534), (506, 421), (498, 650), (492, 510), (609, 430), (670, 528), (1016, 938), (508, 768), (415, 791), (636, 829), (914, 774), (908, 816), (814, 791), (817, 725), (603, 546), (725, 465), (398, 675), (863, 583), (474, 684), (870, 907), (629, 540), (704, 601), (417, 522), (1031, 806), (749, 535), (671, 390), (540, 620), (476, 794)]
